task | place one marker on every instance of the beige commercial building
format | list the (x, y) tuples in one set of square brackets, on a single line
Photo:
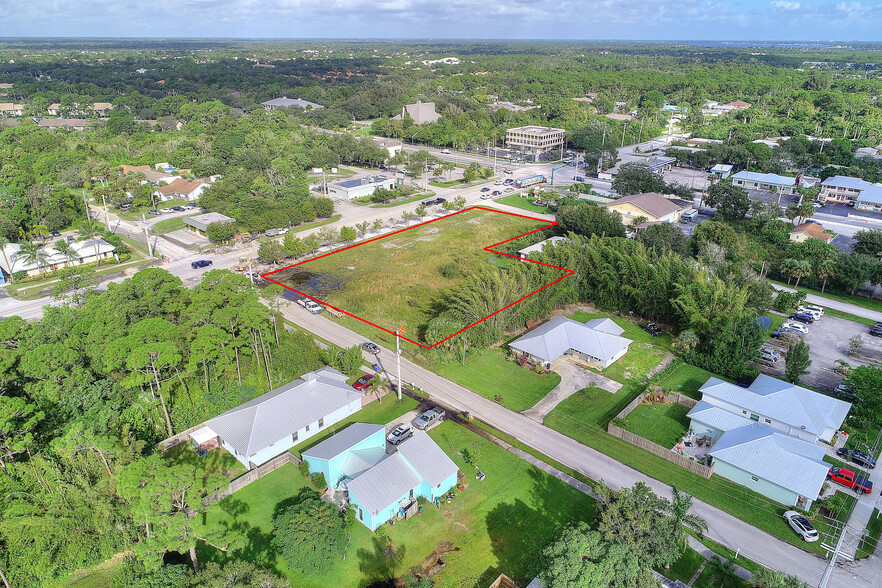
[(535, 138)]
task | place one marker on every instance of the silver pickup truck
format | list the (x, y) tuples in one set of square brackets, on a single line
[(310, 305)]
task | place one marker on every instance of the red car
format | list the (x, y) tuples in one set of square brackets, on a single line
[(363, 382)]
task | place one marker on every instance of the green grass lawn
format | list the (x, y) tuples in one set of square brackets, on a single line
[(498, 525), (523, 203), (874, 527), (376, 413), (632, 329), (169, 225), (396, 281), (422, 196), (664, 424), (490, 373), (442, 184), (686, 379), (684, 568), (215, 461), (777, 321), (98, 576), (708, 580), (849, 317), (316, 224)]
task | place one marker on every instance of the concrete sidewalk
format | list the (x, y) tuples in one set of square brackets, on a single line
[(726, 529)]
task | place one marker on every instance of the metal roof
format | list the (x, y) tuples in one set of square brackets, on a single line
[(358, 462), (722, 167), (782, 459), (872, 194), (272, 417), (781, 401), (765, 178), (605, 325), (716, 417), (846, 182), (368, 181), (551, 340), (344, 440), (285, 102), (538, 246), (429, 460), (384, 484)]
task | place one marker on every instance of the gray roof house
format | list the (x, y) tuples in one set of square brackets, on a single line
[(783, 406), (598, 343), (200, 222), (421, 113), (285, 102), (270, 424), (526, 251)]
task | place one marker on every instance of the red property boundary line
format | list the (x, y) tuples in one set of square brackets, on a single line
[(489, 248)]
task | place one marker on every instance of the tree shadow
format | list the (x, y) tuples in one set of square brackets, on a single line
[(234, 507), (305, 493), (380, 564)]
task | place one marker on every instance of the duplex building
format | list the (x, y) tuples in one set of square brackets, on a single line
[(535, 138), (11, 109), (352, 189), (99, 108), (862, 194), (81, 252), (765, 182)]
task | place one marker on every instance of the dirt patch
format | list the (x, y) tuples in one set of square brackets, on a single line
[(665, 362), (435, 561), (464, 528)]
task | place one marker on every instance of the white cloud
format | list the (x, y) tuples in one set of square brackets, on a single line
[(784, 5)]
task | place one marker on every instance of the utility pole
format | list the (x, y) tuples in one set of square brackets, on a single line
[(147, 235), (106, 213), (398, 357), (623, 134), (832, 564), (86, 204)]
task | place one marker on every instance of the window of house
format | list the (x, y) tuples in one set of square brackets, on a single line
[(360, 514), (743, 412), (754, 417), (294, 436), (321, 423), (768, 421), (754, 478), (307, 428)]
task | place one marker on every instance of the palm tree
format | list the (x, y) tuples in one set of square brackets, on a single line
[(3, 243), (32, 253), (90, 229), (825, 269), (678, 510), (64, 248), (722, 572)]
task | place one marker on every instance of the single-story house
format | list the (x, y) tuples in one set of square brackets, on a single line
[(597, 342), (182, 189), (155, 177), (652, 206), (99, 108), (871, 152), (526, 251), (392, 147), (721, 170), (11, 109), (75, 124), (783, 406), (806, 231), (739, 104), (81, 252), (766, 182), (285, 102), (782, 467), (352, 189), (273, 423), (380, 485), (200, 222), (420, 113)]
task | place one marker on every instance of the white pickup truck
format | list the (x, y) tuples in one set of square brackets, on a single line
[(309, 305)]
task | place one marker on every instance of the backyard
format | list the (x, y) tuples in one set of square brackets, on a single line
[(687, 380), (489, 373), (398, 279), (661, 423), (498, 525)]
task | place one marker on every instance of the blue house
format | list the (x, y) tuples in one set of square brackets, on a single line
[(382, 485)]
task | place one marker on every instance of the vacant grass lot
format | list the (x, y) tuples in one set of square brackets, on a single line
[(489, 373), (169, 225), (687, 379), (397, 280), (498, 525), (519, 201), (664, 424)]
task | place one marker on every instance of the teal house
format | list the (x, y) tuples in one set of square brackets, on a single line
[(382, 486)]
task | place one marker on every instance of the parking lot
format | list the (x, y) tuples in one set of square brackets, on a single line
[(828, 342)]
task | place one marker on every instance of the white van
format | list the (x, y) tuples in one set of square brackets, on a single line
[(811, 309)]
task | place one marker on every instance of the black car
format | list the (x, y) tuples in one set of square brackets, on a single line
[(652, 329), (434, 201), (858, 457), (178, 208), (876, 331), (802, 317), (201, 263), (56, 234)]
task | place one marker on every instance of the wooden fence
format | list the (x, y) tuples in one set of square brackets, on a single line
[(672, 396), (663, 452), (254, 475), (181, 437)]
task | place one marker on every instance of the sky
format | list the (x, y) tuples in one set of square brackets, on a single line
[(447, 19)]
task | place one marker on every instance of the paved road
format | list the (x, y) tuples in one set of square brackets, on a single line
[(837, 305), (726, 529)]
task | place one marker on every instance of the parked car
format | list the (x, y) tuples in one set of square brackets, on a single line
[(56, 234), (783, 331), (154, 212), (310, 305), (497, 183), (485, 189), (802, 317), (201, 263), (178, 208), (810, 308), (370, 347), (399, 434), (795, 327), (845, 393), (497, 193), (848, 479), (284, 231), (858, 457), (486, 196), (429, 418), (445, 151), (817, 204), (509, 189), (188, 206), (652, 329), (802, 526), (70, 238), (363, 382), (810, 311), (769, 352), (876, 331)]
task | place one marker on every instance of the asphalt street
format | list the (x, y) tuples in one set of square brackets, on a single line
[(722, 527)]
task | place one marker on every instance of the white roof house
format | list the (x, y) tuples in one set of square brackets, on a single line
[(270, 424), (783, 406), (756, 181), (285, 102), (82, 251), (597, 344), (526, 251)]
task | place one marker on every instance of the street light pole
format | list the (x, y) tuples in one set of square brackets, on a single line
[(106, 213), (398, 357)]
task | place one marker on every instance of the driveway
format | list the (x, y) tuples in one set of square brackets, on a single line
[(573, 378), (722, 527)]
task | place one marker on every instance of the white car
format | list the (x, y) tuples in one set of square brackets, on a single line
[(812, 313), (795, 327), (810, 308), (802, 526), (284, 231), (399, 434), (486, 196)]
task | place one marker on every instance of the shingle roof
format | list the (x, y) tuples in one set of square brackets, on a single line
[(781, 401), (345, 439), (813, 230), (158, 176), (429, 460), (651, 202), (550, 340), (717, 417), (181, 186), (269, 418), (765, 178), (383, 484), (782, 459)]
